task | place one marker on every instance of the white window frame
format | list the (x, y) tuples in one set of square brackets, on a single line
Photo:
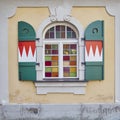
[(75, 87)]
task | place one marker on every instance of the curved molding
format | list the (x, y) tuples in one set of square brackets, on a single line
[(112, 7)]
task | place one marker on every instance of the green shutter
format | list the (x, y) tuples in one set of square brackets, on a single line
[(25, 32), (94, 51), (26, 52)]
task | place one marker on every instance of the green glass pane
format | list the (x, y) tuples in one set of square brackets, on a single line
[(73, 74), (68, 34), (57, 34), (52, 29), (55, 47), (73, 51), (47, 58), (48, 69)]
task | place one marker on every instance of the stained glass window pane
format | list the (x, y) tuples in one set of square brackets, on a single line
[(70, 60), (51, 60)]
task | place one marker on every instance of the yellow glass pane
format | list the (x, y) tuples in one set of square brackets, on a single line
[(73, 69), (72, 58), (66, 63), (54, 69)]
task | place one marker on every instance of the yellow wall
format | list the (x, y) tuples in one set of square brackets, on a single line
[(96, 91)]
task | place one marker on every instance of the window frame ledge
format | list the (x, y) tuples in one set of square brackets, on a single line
[(74, 87)]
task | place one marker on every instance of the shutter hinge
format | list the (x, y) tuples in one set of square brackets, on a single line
[(37, 39), (83, 63), (38, 64), (82, 38)]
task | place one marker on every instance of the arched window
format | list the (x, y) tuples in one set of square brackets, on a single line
[(60, 52)]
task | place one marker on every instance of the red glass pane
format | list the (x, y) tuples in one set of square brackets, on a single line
[(47, 63), (73, 46), (55, 74), (48, 74), (54, 51), (66, 57), (47, 46)]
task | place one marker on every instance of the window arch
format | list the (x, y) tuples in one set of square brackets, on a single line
[(60, 51)]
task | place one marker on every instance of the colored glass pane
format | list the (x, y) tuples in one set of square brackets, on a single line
[(66, 63), (73, 51), (65, 52), (62, 28), (47, 51), (47, 74), (66, 57), (48, 63), (66, 69), (66, 74), (51, 34), (52, 29), (62, 34), (73, 74), (47, 35), (48, 69), (73, 69), (54, 69), (72, 63), (55, 58), (65, 46), (57, 34), (47, 58), (73, 46), (54, 63), (54, 51), (47, 46), (55, 47), (55, 74), (68, 34), (72, 58), (58, 28)]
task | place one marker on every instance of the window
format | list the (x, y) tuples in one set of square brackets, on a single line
[(60, 53)]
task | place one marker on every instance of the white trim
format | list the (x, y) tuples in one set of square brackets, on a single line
[(60, 87)]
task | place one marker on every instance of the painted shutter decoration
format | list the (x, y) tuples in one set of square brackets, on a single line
[(94, 51), (26, 51)]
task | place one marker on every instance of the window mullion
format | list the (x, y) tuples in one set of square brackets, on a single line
[(61, 60)]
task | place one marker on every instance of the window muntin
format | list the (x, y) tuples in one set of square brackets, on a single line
[(60, 31), (60, 53)]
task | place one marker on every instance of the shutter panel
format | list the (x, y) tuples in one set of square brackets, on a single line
[(94, 51), (26, 51)]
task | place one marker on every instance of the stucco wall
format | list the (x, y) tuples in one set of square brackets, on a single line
[(96, 91)]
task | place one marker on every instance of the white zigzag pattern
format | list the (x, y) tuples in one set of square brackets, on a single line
[(91, 57), (25, 58)]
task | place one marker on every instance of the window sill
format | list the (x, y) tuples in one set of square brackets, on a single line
[(75, 87)]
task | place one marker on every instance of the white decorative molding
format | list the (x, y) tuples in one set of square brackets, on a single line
[(60, 87)]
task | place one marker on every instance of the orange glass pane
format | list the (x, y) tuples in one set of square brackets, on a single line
[(66, 74), (54, 63), (72, 58), (55, 74), (72, 63), (55, 58)]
